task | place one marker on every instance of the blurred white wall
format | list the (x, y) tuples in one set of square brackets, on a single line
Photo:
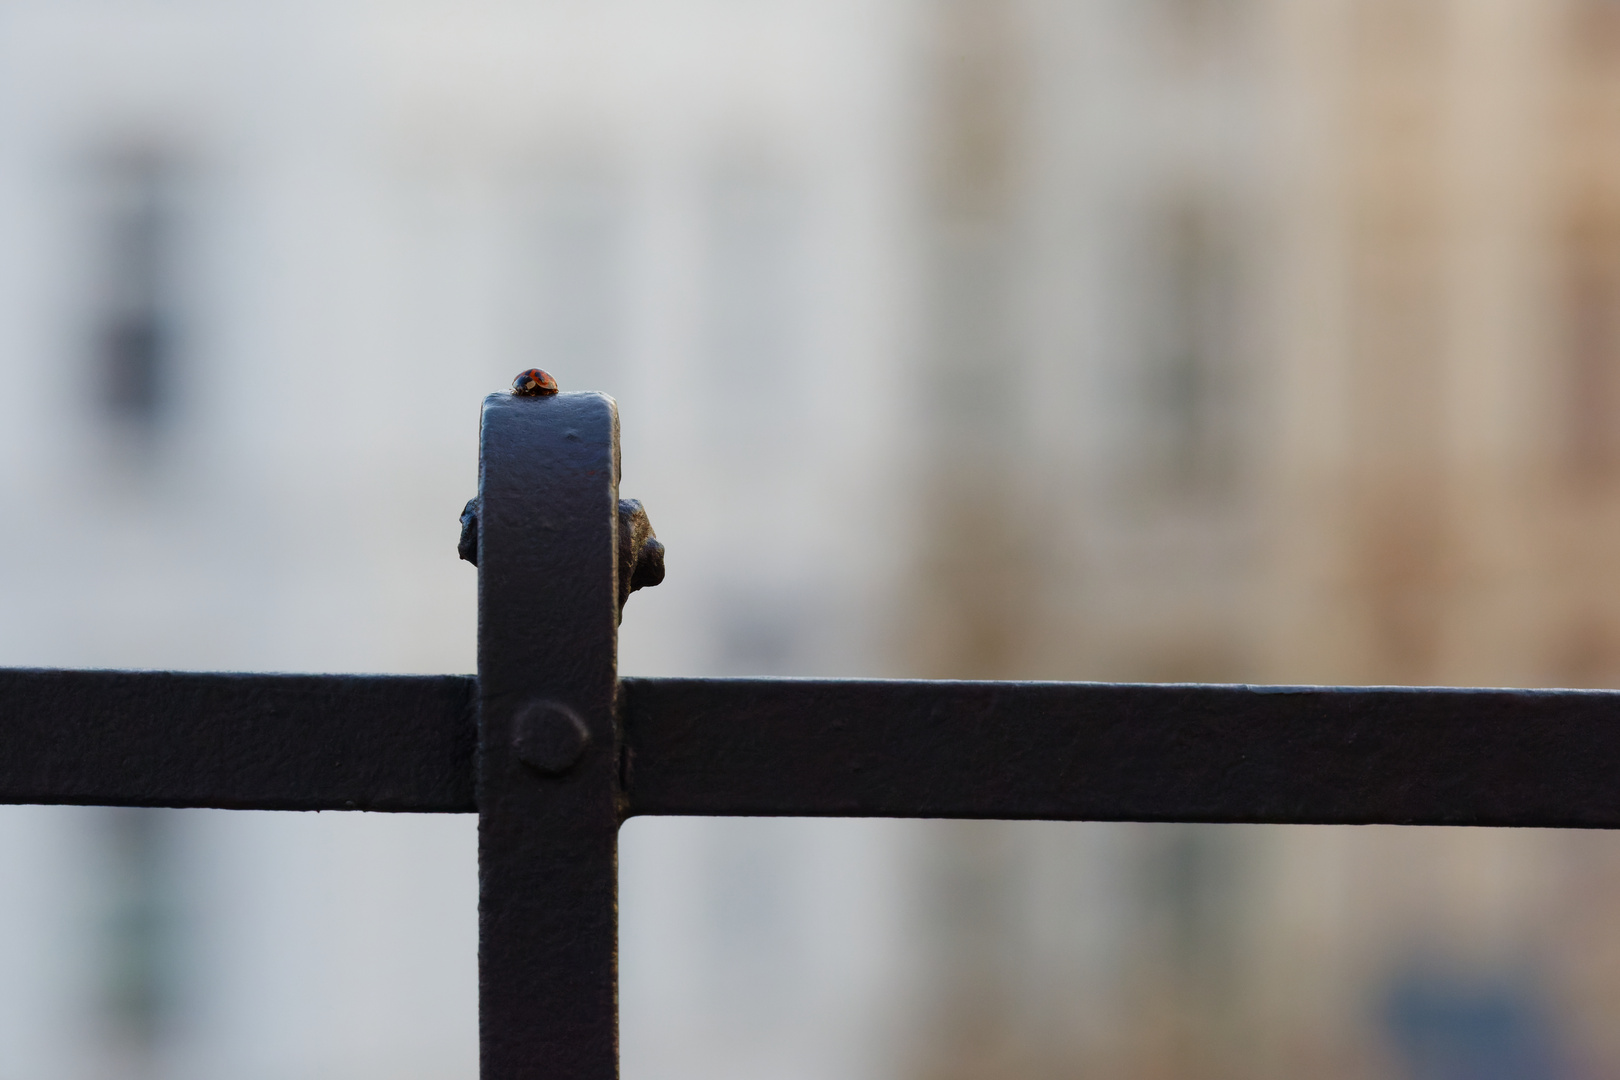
[(263, 260)]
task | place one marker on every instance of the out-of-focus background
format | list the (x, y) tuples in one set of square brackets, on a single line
[(1233, 340)]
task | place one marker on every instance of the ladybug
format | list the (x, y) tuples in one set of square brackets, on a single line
[(534, 383)]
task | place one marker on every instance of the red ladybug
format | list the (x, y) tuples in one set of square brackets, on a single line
[(534, 383)]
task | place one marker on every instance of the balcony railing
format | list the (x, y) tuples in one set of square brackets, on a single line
[(554, 752)]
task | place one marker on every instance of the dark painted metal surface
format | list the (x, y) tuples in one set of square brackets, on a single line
[(1122, 752), (782, 747), (265, 742), (641, 555), (467, 546), (548, 611)]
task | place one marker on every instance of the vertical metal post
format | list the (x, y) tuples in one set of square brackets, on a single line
[(548, 798)]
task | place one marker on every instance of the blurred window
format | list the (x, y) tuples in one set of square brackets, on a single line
[(1397, 34), (980, 91), (1199, 30), (1189, 374), (138, 946), (1595, 30), (1592, 342), (136, 325)]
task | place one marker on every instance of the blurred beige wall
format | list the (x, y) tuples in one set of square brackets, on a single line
[(1290, 353)]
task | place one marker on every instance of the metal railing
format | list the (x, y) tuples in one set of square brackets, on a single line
[(554, 752)]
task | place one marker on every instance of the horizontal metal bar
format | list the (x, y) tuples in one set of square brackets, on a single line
[(841, 748), (1089, 751), (264, 742)]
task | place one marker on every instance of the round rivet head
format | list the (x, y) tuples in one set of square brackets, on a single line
[(549, 738)]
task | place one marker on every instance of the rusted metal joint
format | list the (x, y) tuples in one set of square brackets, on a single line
[(467, 547), (641, 554)]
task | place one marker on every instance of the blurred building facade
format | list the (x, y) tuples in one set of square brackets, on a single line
[(1306, 371), (1227, 340)]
